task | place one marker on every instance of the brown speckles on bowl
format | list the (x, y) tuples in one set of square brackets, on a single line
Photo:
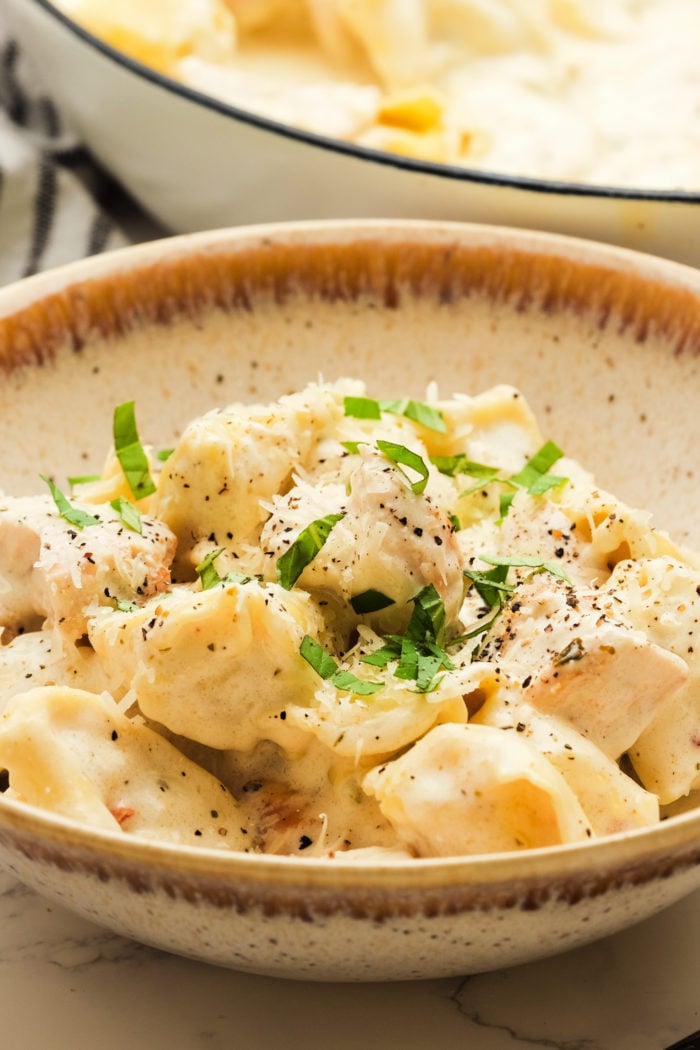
[(187, 286), (192, 322)]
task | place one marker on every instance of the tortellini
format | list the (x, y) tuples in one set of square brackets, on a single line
[(340, 625)]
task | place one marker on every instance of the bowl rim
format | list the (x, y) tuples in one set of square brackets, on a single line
[(454, 172), (673, 842)]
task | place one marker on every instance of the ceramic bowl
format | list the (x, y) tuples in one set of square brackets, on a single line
[(606, 345), (195, 163)]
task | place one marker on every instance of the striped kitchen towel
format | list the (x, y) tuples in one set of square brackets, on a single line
[(51, 194)]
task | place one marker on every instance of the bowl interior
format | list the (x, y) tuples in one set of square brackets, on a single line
[(605, 344)]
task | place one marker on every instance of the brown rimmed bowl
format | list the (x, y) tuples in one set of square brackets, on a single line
[(605, 344)]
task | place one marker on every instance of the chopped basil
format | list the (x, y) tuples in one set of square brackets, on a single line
[(532, 474), (419, 653), (370, 601), (493, 588), (209, 575), (362, 408), (325, 666), (128, 513), (207, 571), (83, 479), (533, 477), (122, 605), (402, 457), (80, 518), (428, 618), (304, 549), (164, 454), (461, 464), (523, 561), (417, 411), (491, 585), (130, 452)]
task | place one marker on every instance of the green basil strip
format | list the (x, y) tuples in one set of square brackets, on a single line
[(164, 454), (362, 408), (537, 466), (80, 518), (128, 513), (315, 655), (370, 601), (427, 678), (522, 561), (401, 457), (207, 571), (428, 618), (352, 684), (130, 453), (461, 464), (325, 666), (209, 575), (304, 549), (407, 667), (491, 586), (84, 479), (418, 412), (482, 626), (382, 656)]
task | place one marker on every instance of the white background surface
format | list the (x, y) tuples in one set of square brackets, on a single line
[(66, 984)]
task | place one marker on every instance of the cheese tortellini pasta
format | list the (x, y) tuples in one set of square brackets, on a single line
[(332, 625)]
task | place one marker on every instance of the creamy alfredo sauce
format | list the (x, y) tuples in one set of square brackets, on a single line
[(556, 89)]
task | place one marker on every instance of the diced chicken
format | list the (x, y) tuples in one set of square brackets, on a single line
[(662, 596), (573, 660), (389, 539), (74, 753), (229, 462), (52, 571), (466, 789), (218, 666)]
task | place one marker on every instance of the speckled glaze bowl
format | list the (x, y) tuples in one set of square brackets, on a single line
[(604, 343)]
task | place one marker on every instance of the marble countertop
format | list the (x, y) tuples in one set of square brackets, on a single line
[(66, 983)]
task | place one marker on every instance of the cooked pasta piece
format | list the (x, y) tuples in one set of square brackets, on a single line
[(475, 789), (74, 753)]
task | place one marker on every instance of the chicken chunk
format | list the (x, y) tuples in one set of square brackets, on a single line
[(388, 539), (663, 598), (51, 571), (229, 462), (573, 660)]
